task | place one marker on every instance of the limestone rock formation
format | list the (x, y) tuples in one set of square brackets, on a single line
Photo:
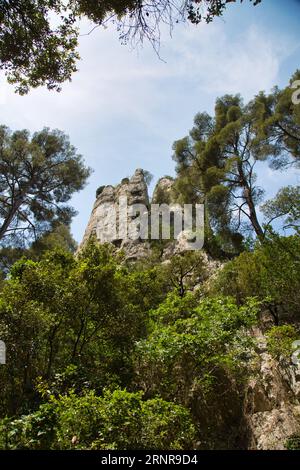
[(272, 407), (105, 221), (163, 191)]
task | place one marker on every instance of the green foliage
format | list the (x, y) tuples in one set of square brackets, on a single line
[(173, 308), (161, 196), (280, 340), (117, 420), (185, 271), (215, 166), (33, 52), (34, 431), (79, 326), (195, 354), (271, 273), (277, 121), (293, 442), (38, 176), (122, 420), (8, 256), (59, 237), (286, 204), (190, 345), (39, 38), (166, 425), (58, 311)]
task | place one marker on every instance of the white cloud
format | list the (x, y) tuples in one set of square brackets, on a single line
[(218, 63)]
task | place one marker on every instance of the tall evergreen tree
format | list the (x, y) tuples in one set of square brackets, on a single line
[(218, 159)]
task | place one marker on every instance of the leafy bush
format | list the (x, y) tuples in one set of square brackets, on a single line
[(271, 273), (117, 420), (195, 354), (192, 345), (174, 307), (280, 340), (86, 311), (34, 431)]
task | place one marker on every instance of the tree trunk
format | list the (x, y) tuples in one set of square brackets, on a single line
[(253, 216), (251, 206), (14, 209)]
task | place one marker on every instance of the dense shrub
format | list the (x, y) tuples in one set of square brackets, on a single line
[(60, 311), (191, 345), (117, 420), (196, 354), (271, 272), (280, 341)]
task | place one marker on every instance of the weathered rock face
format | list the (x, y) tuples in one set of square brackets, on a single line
[(272, 408), (163, 191), (107, 218), (105, 222)]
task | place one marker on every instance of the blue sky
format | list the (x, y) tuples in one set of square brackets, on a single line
[(124, 108)]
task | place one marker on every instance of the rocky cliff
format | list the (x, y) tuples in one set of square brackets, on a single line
[(271, 406), (105, 222)]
